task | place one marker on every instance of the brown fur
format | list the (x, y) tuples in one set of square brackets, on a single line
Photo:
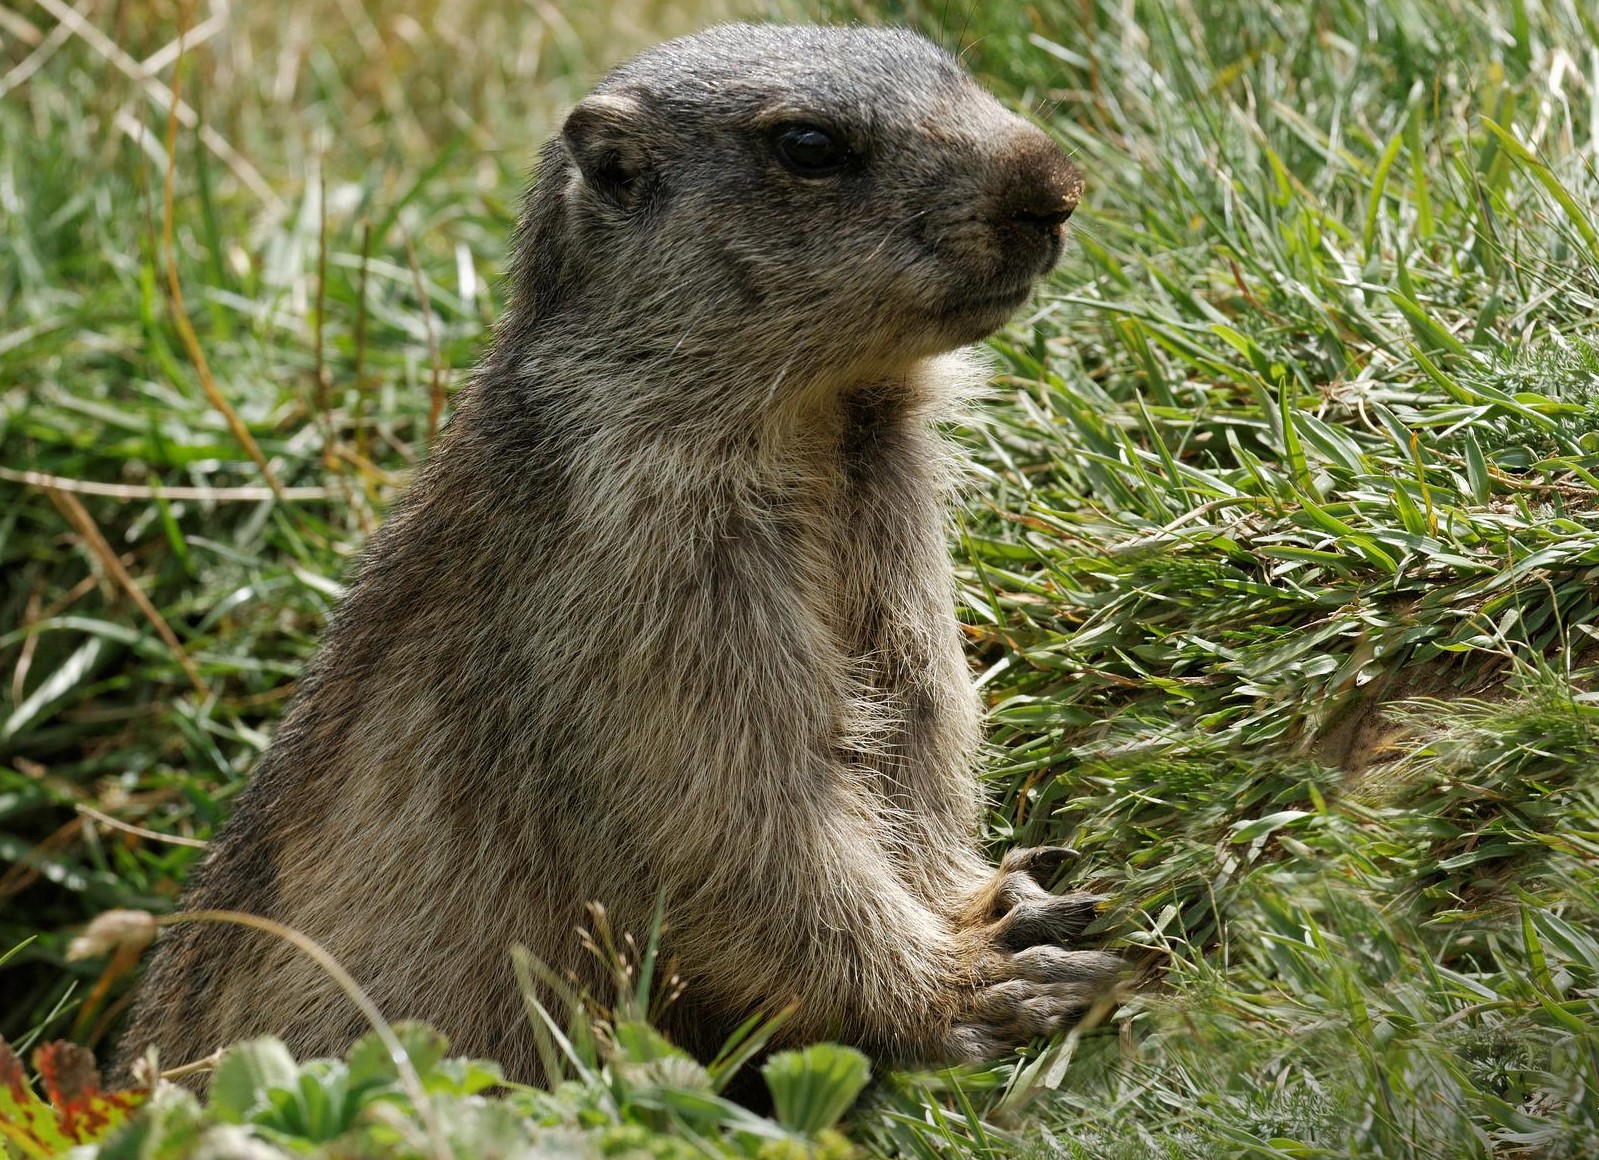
[(670, 608)]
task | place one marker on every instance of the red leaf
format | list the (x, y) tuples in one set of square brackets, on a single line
[(71, 1084), (11, 1072), (78, 1111)]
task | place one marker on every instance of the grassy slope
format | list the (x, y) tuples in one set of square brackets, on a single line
[(1280, 570), (1309, 428)]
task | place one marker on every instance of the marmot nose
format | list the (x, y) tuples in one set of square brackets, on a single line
[(1038, 190), (1044, 216), (1043, 188)]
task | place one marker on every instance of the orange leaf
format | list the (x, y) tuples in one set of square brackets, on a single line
[(78, 1111)]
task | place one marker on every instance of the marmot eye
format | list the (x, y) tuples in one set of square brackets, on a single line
[(811, 151)]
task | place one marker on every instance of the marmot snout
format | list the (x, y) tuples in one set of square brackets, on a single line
[(1037, 190), (1016, 234)]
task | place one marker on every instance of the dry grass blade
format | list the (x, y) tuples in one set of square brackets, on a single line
[(134, 491), (191, 37), (19, 674), (321, 380), (185, 114), (353, 990), (41, 54), (83, 523), (117, 930), (180, 316), (25, 871), (140, 831), (436, 385)]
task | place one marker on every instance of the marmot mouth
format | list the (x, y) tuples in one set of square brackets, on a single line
[(988, 302)]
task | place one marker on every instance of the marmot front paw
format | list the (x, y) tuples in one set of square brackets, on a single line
[(1018, 911), (1034, 992), (1027, 981)]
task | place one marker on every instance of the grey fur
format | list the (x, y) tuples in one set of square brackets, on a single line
[(670, 608)]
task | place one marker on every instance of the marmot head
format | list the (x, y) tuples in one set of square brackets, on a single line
[(821, 199)]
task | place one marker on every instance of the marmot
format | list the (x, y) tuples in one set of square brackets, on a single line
[(669, 614)]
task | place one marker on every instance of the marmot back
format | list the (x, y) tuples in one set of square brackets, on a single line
[(669, 612)]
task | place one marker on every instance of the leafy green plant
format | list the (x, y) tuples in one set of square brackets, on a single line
[(360, 1106), (814, 1087)]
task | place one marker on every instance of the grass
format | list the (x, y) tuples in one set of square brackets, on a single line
[(1279, 568)]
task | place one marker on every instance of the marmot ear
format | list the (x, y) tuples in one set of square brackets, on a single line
[(604, 136)]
